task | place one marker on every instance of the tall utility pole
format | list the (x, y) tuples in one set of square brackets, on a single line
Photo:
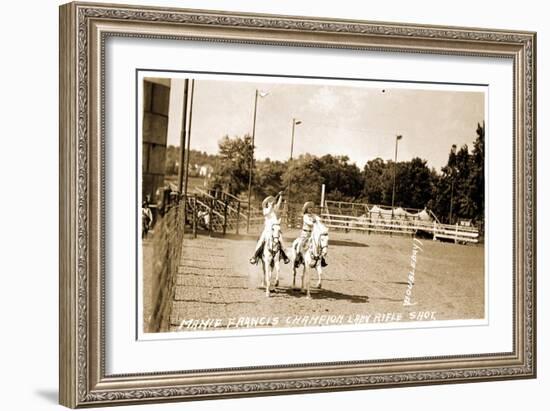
[(258, 94), (294, 124), (188, 133), (451, 206), (182, 138), (397, 138), (453, 166), (251, 161)]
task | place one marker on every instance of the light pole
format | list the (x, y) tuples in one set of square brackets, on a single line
[(188, 132), (295, 123), (397, 138), (258, 94), (183, 135), (453, 165)]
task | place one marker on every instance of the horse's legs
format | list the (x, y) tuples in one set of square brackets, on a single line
[(308, 280), (305, 282), (143, 230), (277, 268), (319, 272), (267, 272), (262, 284), (293, 257)]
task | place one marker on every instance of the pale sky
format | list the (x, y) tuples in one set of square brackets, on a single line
[(360, 122)]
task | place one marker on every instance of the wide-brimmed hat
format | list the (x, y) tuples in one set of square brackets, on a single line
[(306, 206), (268, 199)]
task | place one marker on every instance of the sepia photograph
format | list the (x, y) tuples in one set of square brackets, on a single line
[(272, 204), (308, 203)]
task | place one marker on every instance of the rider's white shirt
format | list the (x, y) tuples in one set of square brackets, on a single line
[(270, 214)]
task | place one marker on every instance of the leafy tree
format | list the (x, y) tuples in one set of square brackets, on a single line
[(303, 178), (463, 205), (342, 180), (445, 188), (462, 182), (268, 178), (477, 175), (374, 181), (195, 158), (172, 160), (306, 175), (413, 184), (231, 172)]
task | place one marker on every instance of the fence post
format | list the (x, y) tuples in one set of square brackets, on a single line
[(224, 216), (183, 212), (238, 215), (210, 216), (435, 227), (195, 217), (369, 222), (456, 233)]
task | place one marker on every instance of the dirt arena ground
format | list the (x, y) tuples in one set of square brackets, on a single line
[(367, 274)]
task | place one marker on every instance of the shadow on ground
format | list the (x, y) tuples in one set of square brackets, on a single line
[(254, 237), (227, 236), (323, 294), (346, 243)]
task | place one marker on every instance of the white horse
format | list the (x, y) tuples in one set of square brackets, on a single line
[(270, 258), (310, 256)]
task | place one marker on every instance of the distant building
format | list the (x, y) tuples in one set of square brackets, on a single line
[(206, 170)]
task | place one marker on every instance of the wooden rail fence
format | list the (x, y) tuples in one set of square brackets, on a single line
[(377, 224)]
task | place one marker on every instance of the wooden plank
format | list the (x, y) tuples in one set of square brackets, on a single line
[(452, 237), (371, 229), (396, 228), (400, 223)]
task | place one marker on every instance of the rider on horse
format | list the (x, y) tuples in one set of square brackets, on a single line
[(309, 219), (270, 209), (146, 218)]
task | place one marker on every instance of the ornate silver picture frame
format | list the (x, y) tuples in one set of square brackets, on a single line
[(86, 29)]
